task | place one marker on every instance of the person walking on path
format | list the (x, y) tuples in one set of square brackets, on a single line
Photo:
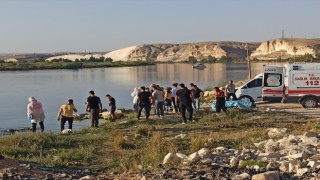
[(230, 90), (197, 94), (35, 113), (184, 98), (144, 102), (158, 97), (66, 114), (94, 107), (134, 95), (112, 104), (173, 97), (220, 100)]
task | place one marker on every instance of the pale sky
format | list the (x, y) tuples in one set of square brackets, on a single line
[(38, 26)]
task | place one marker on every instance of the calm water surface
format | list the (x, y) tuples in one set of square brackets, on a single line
[(54, 87)]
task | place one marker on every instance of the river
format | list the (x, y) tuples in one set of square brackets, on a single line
[(54, 87)]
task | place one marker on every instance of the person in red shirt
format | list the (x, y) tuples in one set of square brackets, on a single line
[(220, 100)]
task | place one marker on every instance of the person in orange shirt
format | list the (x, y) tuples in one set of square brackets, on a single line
[(66, 114)]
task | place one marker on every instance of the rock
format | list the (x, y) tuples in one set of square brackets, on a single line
[(273, 166), (310, 134), (302, 155), (302, 171), (206, 161), (107, 116), (269, 156), (220, 149), (315, 157), (242, 176), (203, 152), (284, 166), (180, 136), (182, 156), (1, 157), (271, 146), (137, 136), (270, 175), (66, 131), (87, 178), (314, 164), (194, 157), (49, 177), (234, 161), (171, 158), (143, 178), (277, 132), (296, 164)]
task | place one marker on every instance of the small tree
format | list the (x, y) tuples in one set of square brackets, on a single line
[(108, 59), (211, 59), (192, 59)]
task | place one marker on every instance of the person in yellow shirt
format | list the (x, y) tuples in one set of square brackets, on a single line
[(168, 99), (66, 114)]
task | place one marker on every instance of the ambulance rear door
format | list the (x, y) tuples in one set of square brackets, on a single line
[(273, 83)]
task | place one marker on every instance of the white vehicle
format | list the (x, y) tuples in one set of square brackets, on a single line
[(251, 90), (293, 83)]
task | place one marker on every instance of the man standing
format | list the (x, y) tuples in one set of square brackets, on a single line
[(230, 90), (112, 105), (94, 107), (173, 97), (184, 98), (144, 102), (197, 94), (158, 96)]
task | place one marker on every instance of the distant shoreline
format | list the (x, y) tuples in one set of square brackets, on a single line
[(26, 66)]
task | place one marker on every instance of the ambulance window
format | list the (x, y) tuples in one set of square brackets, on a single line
[(272, 80), (255, 83)]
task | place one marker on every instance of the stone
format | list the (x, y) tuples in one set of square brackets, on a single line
[(203, 152), (234, 161), (171, 158), (180, 136), (269, 156), (302, 155), (242, 176), (310, 134), (277, 132), (284, 166), (182, 156), (87, 178), (296, 164), (273, 166), (1, 157), (143, 178), (220, 149), (302, 171), (314, 164), (315, 157), (107, 115), (194, 157), (269, 175), (206, 161), (66, 131), (271, 146), (49, 177)]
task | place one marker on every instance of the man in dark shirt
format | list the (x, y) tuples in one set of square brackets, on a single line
[(197, 94), (112, 104), (184, 98), (144, 102), (94, 107), (220, 100)]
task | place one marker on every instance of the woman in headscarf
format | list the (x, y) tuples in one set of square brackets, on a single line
[(35, 114)]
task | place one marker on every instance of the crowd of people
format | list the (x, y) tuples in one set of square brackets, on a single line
[(178, 99)]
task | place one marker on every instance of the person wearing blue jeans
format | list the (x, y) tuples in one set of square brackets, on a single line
[(197, 94)]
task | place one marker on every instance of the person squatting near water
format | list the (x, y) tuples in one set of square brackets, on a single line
[(35, 113), (94, 107), (112, 105), (66, 114)]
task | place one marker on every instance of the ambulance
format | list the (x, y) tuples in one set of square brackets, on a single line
[(292, 83)]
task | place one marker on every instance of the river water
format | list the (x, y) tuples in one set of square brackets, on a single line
[(54, 87)]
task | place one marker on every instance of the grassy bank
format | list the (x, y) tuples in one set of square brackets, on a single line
[(128, 144), (15, 66)]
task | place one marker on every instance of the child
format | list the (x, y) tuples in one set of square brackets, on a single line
[(167, 98)]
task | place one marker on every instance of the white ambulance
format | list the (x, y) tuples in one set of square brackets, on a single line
[(292, 83)]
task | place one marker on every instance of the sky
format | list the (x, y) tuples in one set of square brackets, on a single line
[(43, 26)]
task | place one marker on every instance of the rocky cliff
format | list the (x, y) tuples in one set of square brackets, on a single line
[(181, 52), (287, 48)]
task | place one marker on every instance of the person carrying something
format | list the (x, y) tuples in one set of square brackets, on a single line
[(158, 96), (220, 100), (35, 114), (230, 90), (184, 98), (94, 107), (144, 102), (112, 104), (66, 114)]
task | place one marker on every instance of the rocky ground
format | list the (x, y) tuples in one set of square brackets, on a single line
[(282, 156)]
